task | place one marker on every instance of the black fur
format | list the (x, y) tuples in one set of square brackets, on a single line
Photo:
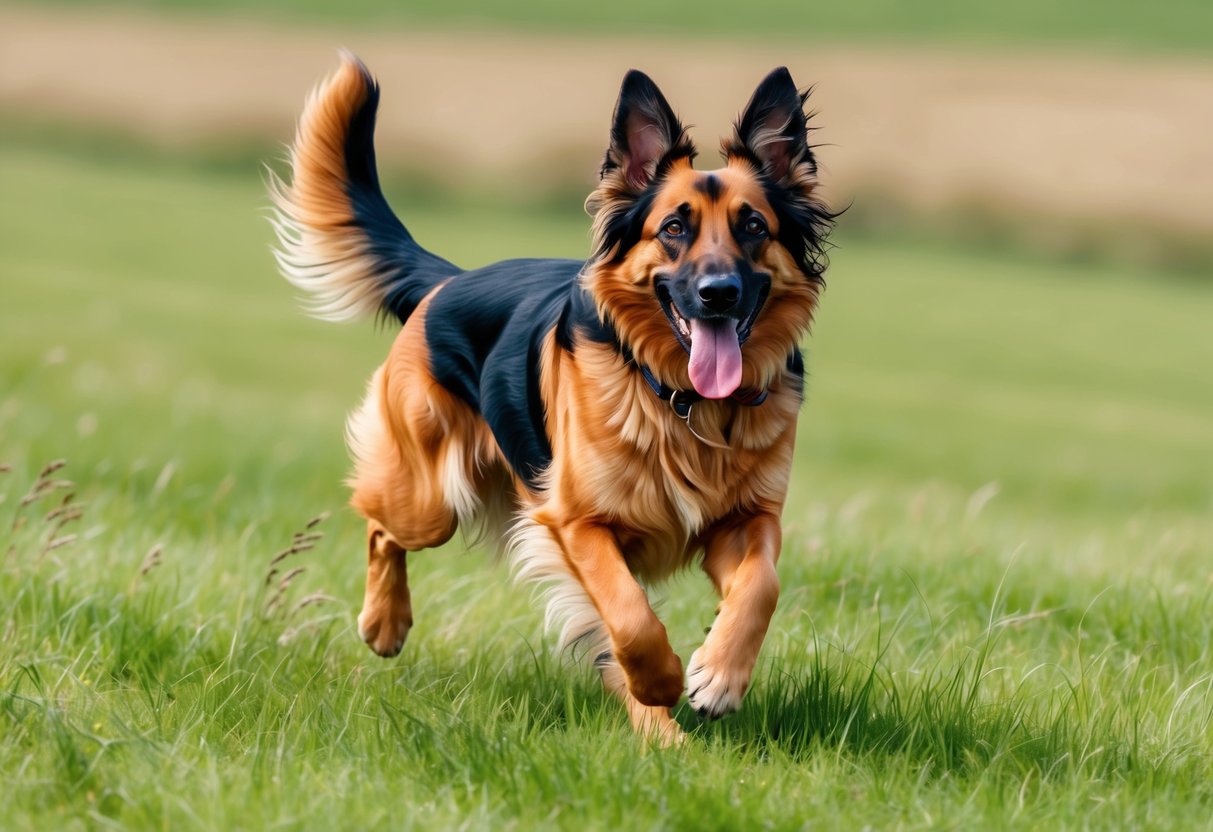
[(406, 270), (709, 186), (776, 101), (803, 227), (485, 330), (639, 97), (624, 225)]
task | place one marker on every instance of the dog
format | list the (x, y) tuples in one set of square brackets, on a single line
[(613, 420)]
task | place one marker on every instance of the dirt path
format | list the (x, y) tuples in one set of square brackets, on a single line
[(1062, 137)]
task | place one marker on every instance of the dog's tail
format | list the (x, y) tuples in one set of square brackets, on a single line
[(338, 239)]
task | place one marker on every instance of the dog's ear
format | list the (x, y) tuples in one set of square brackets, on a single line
[(772, 130), (646, 138), (772, 135), (645, 135)]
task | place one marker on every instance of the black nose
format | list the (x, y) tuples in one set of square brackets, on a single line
[(719, 292)]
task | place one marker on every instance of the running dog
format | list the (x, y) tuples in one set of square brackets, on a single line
[(613, 420)]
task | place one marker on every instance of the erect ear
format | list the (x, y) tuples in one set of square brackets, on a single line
[(645, 134), (772, 130)]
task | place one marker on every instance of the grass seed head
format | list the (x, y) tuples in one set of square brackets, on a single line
[(311, 600), (43, 487), (58, 543), (51, 467), (281, 556), (64, 515), (151, 560), (301, 541), (290, 576)]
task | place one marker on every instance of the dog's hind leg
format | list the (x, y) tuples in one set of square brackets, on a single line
[(402, 500), (387, 609), (416, 478)]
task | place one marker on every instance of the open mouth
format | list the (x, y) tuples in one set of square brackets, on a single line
[(678, 322), (714, 344), (681, 324)]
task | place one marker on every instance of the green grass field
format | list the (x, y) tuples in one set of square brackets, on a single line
[(1174, 24), (998, 597)]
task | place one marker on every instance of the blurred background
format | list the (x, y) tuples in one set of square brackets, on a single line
[(1018, 310)]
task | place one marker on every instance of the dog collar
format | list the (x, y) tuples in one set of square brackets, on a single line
[(681, 400)]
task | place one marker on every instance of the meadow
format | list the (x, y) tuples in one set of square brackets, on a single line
[(997, 573), (1088, 24)]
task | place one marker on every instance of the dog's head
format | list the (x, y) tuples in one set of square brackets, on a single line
[(709, 277)]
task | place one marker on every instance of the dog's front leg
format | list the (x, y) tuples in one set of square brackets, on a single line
[(638, 639), (740, 559)]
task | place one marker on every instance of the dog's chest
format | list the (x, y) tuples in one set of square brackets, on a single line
[(625, 460), (660, 488), (675, 484)]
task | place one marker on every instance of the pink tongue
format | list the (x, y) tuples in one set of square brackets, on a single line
[(715, 358)]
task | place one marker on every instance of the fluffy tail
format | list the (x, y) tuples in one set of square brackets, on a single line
[(338, 239)]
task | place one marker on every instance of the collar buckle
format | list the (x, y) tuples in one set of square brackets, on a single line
[(681, 401)]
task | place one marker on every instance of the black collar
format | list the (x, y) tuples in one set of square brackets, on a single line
[(583, 314), (681, 400)]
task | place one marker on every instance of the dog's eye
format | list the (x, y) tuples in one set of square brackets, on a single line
[(755, 226), (673, 228)]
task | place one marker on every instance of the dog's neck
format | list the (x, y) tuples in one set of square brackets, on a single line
[(681, 401)]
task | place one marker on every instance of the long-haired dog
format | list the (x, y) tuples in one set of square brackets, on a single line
[(621, 418)]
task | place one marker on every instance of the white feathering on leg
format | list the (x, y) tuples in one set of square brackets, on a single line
[(535, 557)]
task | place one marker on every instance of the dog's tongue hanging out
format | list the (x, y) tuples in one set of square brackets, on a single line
[(715, 358)]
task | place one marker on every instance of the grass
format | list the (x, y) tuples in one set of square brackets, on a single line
[(997, 586), (1176, 24)]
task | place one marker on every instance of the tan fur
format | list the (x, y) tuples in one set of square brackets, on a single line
[(422, 459), (320, 251), (649, 721), (387, 607), (632, 493)]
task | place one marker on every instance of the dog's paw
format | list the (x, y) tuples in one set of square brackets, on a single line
[(667, 735), (713, 688), (384, 634)]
